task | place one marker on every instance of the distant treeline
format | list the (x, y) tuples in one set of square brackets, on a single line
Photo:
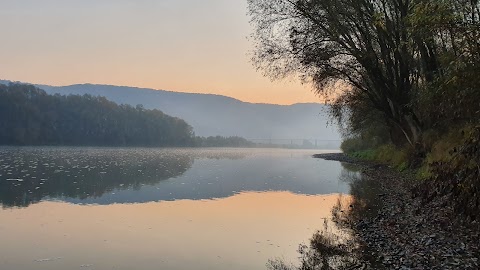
[(29, 116)]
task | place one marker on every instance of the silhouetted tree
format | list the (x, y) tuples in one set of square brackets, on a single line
[(389, 52)]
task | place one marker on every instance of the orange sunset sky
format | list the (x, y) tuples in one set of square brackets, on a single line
[(178, 45)]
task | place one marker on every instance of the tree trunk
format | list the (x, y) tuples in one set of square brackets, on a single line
[(405, 129)]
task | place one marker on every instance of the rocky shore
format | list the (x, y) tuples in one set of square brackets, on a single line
[(397, 230)]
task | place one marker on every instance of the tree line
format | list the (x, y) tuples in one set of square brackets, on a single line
[(30, 116)]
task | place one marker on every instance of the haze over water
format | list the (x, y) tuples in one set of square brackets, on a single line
[(105, 208)]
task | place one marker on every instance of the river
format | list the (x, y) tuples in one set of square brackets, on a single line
[(153, 208)]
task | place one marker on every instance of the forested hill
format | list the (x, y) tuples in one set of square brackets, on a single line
[(212, 115), (29, 116)]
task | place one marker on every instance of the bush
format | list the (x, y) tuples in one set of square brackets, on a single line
[(439, 148), (358, 143), (395, 156), (459, 176), (369, 154), (398, 157)]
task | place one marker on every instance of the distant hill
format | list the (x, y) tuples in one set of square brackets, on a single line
[(212, 115)]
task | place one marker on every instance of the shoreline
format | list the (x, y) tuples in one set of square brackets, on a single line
[(397, 230)]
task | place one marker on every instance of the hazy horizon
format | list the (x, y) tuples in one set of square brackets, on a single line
[(154, 89), (181, 46)]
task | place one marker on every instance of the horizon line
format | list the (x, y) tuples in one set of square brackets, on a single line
[(154, 89)]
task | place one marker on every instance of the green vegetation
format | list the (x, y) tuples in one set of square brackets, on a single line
[(388, 153), (403, 76)]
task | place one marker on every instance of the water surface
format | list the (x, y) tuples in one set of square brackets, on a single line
[(111, 208)]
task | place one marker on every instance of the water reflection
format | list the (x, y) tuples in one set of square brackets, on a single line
[(336, 246), (101, 208), (27, 175), (111, 175)]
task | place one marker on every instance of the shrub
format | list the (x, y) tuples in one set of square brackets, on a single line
[(459, 176)]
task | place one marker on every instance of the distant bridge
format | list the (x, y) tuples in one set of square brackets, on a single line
[(304, 143)]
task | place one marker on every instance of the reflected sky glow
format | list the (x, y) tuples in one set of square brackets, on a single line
[(239, 232)]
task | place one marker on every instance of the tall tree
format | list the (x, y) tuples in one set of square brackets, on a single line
[(375, 46)]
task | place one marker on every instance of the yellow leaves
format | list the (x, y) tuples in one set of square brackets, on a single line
[(453, 80), (379, 21), (431, 14)]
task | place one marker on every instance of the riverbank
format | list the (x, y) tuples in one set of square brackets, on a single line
[(397, 230)]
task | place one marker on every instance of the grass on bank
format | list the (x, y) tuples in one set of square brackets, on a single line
[(438, 148), (448, 166), (387, 154)]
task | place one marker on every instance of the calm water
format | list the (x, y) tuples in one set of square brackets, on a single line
[(110, 208)]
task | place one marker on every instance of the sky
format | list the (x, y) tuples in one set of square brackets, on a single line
[(196, 46)]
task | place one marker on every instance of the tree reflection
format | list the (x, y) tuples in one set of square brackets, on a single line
[(339, 249), (29, 175)]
